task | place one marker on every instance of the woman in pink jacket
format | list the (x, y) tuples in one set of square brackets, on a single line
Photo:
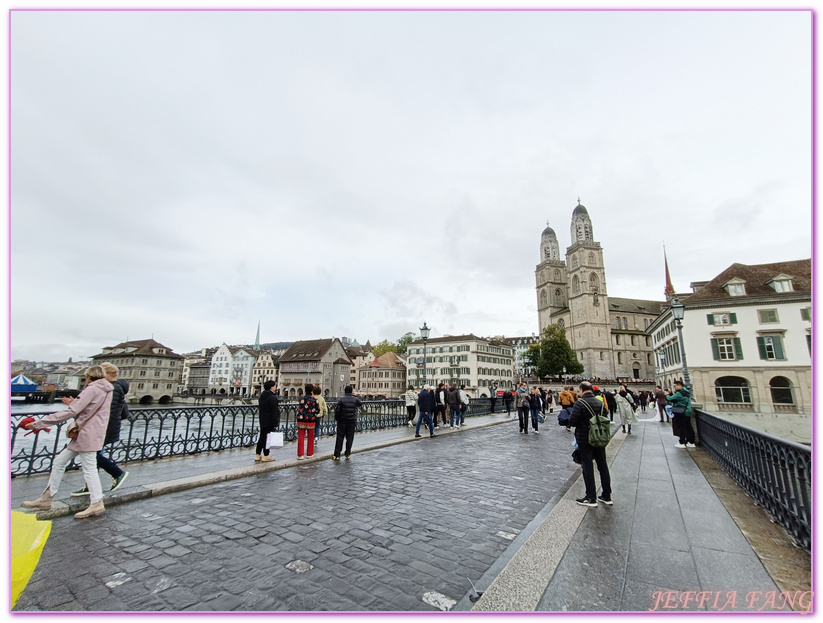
[(91, 415)]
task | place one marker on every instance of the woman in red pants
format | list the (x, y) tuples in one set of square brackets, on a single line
[(307, 411)]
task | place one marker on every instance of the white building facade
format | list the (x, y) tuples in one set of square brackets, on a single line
[(747, 338)]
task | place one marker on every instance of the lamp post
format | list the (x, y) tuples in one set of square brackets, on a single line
[(678, 312), (424, 333)]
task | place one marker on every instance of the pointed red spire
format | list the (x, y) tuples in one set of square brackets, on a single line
[(669, 291)]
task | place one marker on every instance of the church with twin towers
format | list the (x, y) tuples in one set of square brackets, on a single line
[(607, 333)]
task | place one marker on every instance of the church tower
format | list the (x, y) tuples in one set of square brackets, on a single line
[(590, 334), (550, 276)]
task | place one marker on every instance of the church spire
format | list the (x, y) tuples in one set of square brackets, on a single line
[(669, 291), (257, 339)]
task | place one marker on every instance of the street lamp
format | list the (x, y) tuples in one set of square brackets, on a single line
[(678, 312), (424, 333)]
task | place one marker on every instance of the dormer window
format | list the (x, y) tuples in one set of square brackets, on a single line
[(781, 283), (735, 287)]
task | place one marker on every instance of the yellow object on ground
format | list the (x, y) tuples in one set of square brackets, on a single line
[(28, 536)]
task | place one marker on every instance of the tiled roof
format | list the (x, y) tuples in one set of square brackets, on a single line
[(757, 278), (635, 306), (142, 347), (307, 350), (340, 360), (387, 360)]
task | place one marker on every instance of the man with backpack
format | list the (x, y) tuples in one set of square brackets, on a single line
[(592, 444)]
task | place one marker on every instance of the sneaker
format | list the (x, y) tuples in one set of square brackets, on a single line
[(680, 445), (80, 492), (300, 458), (335, 458), (451, 426), (606, 501), (690, 445), (536, 432), (348, 456), (432, 435), (418, 435), (568, 429), (587, 502), (410, 424), (267, 459), (115, 483), (256, 458)]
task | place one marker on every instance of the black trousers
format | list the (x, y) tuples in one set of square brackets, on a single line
[(261, 443), (524, 413), (684, 428), (345, 430), (411, 411), (588, 455)]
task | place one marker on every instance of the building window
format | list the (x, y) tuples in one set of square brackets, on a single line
[(574, 262), (617, 323), (781, 389), (726, 349), (576, 285), (770, 347), (619, 357), (782, 285), (767, 316), (544, 298), (732, 389), (558, 298), (591, 259), (593, 282), (736, 289), (561, 323), (721, 319), (806, 314), (617, 339), (556, 275), (625, 323), (634, 340)]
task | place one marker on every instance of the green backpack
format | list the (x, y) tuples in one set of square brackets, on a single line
[(600, 431)]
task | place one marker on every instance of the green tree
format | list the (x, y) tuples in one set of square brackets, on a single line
[(404, 342), (384, 347), (553, 353)]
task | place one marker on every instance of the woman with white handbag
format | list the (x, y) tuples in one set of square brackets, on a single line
[(269, 420)]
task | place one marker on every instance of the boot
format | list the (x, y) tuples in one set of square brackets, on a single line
[(95, 509), (43, 502)]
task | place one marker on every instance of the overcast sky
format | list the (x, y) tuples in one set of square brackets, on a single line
[(184, 174)]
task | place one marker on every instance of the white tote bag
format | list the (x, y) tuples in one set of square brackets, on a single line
[(274, 440)]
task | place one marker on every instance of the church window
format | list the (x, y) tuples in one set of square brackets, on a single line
[(561, 323), (601, 355), (619, 357), (617, 322), (574, 261), (649, 358), (556, 275), (546, 253), (576, 285), (625, 323), (544, 298), (591, 259), (634, 340), (617, 339), (593, 282), (558, 298), (580, 231), (587, 232)]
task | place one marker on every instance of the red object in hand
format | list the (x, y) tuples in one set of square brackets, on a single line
[(24, 423)]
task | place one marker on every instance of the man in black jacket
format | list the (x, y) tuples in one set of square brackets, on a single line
[(580, 416), (427, 405), (269, 404), (117, 412), (345, 412)]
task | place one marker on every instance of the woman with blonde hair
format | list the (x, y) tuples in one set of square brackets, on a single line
[(91, 417)]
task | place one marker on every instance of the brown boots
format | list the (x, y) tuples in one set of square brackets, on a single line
[(42, 503), (94, 509)]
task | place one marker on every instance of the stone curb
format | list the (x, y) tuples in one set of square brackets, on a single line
[(143, 492)]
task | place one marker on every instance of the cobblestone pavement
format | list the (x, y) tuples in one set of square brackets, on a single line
[(401, 528)]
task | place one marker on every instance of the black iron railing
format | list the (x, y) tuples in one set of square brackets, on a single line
[(149, 434), (775, 472)]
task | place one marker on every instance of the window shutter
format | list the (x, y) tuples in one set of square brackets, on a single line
[(710, 318), (715, 350), (761, 347), (738, 350), (733, 318), (778, 347)]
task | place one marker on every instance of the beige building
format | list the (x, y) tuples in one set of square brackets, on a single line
[(265, 369), (322, 362), (607, 333), (152, 370), (384, 376), (360, 356), (479, 363)]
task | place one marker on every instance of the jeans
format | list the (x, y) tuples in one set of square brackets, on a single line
[(108, 466), (534, 418), (463, 409), (598, 455), (425, 415), (345, 430), (454, 415), (88, 461)]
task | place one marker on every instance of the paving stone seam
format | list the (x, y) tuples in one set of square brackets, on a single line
[(61, 508), (539, 556)]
